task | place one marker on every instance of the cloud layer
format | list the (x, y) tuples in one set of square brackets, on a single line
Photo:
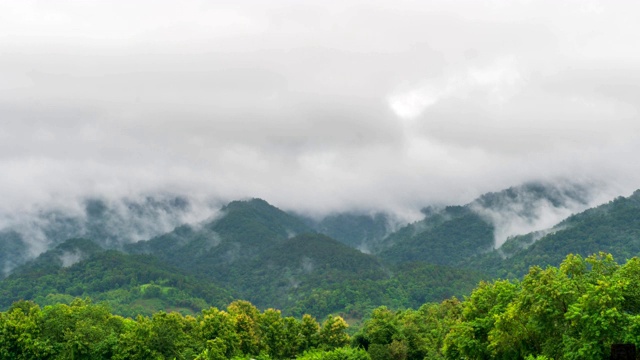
[(315, 106)]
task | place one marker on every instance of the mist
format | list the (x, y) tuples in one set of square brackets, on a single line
[(315, 107), (536, 207), (111, 223)]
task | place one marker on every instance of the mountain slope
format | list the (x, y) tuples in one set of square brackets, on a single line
[(613, 227), (290, 273), (445, 238), (130, 284), (243, 231), (454, 234), (109, 223), (360, 231)]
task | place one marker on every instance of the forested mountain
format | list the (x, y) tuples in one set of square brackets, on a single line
[(251, 249), (130, 284), (365, 232), (613, 228), (255, 251), (453, 234), (219, 248), (445, 237), (109, 223)]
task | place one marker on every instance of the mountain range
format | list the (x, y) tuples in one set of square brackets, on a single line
[(344, 263)]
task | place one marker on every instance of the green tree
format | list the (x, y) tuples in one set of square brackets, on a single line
[(20, 336), (218, 326), (247, 326), (309, 333), (333, 333), (469, 338)]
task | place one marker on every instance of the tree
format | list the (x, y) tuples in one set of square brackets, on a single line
[(218, 326), (470, 337), (247, 326), (309, 333), (20, 336), (333, 333)]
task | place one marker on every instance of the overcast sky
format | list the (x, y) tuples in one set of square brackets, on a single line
[(316, 105)]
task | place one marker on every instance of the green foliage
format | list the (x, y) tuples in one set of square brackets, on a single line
[(356, 230), (83, 330), (333, 332), (130, 284), (612, 228), (336, 354), (575, 311), (447, 237)]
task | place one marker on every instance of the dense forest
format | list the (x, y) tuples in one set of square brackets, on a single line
[(574, 311), (434, 288)]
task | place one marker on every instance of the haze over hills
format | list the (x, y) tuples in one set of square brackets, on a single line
[(110, 223), (251, 249), (116, 223)]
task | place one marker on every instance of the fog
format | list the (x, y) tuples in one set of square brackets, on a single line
[(316, 107)]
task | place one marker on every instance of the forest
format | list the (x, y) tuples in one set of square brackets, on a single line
[(576, 310), (257, 282)]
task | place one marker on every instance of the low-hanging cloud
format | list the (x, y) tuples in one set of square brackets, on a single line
[(315, 107)]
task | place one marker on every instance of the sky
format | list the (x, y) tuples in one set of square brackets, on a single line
[(316, 106)]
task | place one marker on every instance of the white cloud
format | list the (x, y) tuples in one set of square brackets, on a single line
[(314, 106)]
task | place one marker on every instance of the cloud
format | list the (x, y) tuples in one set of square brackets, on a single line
[(315, 107), (493, 84)]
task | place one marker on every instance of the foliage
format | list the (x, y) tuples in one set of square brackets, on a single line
[(574, 311), (342, 353), (613, 228), (83, 330), (446, 237), (130, 284)]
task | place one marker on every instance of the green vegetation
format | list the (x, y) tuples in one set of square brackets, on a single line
[(401, 302), (309, 273), (355, 230), (574, 311), (83, 330), (447, 237), (130, 284), (613, 228)]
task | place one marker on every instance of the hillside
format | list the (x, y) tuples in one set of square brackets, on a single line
[(255, 251), (361, 231), (613, 228), (446, 237), (130, 284), (109, 223), (220, 247), (452, 235)]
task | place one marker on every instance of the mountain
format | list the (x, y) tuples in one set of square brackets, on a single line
[(255, 251), (243, 231), (310, 272), (613, 228), (361, 231), (192, 267), (454, 234), (109, 223), (253, 248), (445, 237), (130, 284)]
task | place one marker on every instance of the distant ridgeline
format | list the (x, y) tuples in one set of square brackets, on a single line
[(254, 251)]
